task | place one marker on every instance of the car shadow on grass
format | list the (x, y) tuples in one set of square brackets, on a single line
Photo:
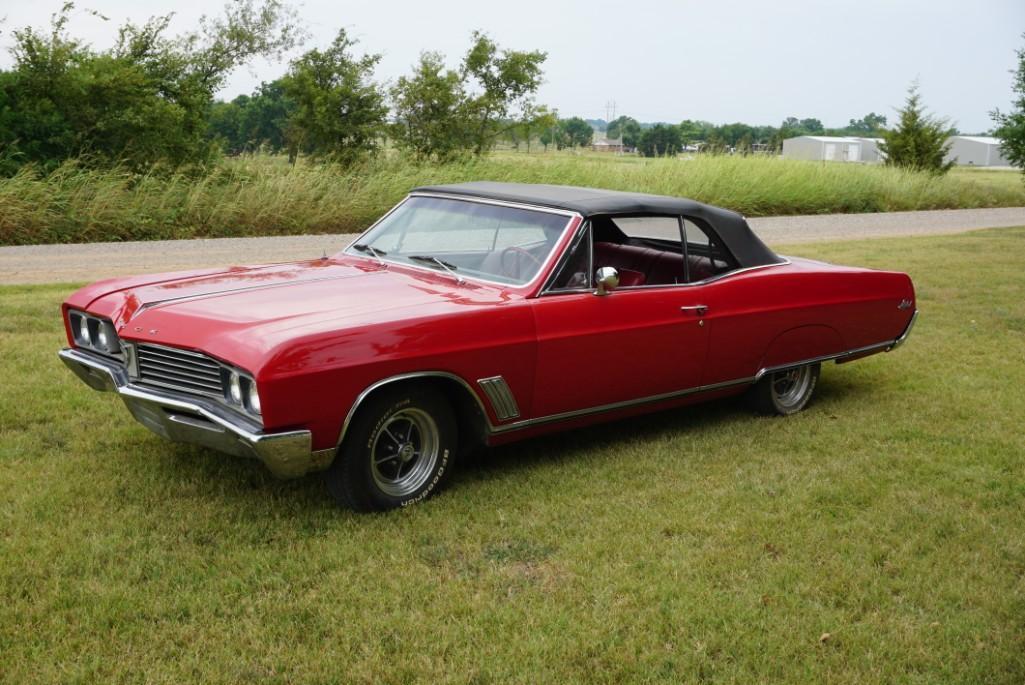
[(831, 394), (239, 482)]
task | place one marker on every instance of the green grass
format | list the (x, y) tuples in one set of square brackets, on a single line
[(1007, 178), (701, 545), (265, 196)]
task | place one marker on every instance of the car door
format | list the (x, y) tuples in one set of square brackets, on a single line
[(635, 342)]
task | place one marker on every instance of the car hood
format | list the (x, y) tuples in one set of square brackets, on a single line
[(251, 311)]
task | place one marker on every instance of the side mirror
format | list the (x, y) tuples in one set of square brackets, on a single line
[(607, 279)]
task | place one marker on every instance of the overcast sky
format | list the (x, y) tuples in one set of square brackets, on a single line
[(718, 60)]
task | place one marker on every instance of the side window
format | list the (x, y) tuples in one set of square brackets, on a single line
[(645, 250), (575, 272), (651, 227), (695, 236), (706, 257)]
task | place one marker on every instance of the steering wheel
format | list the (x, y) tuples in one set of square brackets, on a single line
[(517, 253)]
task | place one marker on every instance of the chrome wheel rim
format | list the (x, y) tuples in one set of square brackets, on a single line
[(789, 388), (404, 452)]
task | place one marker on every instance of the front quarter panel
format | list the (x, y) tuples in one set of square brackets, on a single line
[(313, 381)]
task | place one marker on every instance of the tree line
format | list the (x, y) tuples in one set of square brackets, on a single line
[(654, 139), (149, 101)]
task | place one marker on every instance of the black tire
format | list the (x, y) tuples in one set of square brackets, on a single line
[(784, 392), (399, 450)]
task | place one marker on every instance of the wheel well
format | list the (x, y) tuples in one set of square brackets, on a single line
[(471, 422)]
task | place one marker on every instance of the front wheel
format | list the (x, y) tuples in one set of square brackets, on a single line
[(399, 449), (785, 392)]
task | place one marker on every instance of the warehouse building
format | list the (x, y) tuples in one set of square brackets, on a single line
[(976, 151), (870, 151), (831, 149)]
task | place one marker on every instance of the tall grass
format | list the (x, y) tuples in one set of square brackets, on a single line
[(266, 196)]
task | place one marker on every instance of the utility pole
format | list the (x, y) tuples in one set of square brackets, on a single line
[(610, 112)]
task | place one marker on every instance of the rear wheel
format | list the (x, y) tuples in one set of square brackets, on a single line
[(785, 392), (399, 449)]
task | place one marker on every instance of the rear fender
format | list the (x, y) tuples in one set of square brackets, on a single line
[(802, 343)]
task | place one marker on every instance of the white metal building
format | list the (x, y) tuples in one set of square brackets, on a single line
[(830, 148), (870, 151), (976, 151)]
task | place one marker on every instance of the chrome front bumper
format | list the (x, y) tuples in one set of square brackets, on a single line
[(197, 421)]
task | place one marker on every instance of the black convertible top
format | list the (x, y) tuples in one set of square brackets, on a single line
[(730, 226)]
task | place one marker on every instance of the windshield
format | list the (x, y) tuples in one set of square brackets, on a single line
[(465, 238)]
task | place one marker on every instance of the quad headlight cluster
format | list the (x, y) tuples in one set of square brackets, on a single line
[(167, 367), (240, 392), (96, 334)]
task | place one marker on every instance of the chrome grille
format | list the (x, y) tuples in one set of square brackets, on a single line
[(182, 370)]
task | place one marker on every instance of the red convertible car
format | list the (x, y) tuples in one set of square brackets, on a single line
[(475, 314)]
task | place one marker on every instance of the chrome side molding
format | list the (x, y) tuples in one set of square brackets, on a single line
[(577, 413), (495, 388)]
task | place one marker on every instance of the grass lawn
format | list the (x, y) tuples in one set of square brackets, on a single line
[(1008, 179), (877, 537)]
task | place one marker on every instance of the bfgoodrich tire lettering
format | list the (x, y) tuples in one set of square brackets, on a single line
[(399, 450)]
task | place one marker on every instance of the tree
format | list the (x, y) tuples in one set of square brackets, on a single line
[(554, 135), (535, 119), (252, 122), (919, 141), (692, 131), (143, 101), (576, 132), (1011, 126), (339, 110), (811, 125), (792, 127), (660, 140), (744, 144), (503, 81), (715, 144), (625, 128), (441, 113), (731, 134), (868, 124), (429, 110)]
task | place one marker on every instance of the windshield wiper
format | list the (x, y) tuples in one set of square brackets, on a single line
[(451, 268), (363, 247)]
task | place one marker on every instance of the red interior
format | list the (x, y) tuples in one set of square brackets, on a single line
[(639, 265)]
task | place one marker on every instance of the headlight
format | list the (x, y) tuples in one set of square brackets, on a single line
[(106, 338), (83, 330), (93, 333), (234, 388), (253, 398), (240, 391)]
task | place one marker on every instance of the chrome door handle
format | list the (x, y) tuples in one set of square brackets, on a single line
[(698, 309)]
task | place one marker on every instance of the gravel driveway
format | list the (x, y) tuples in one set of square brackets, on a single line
[(92, 261)]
